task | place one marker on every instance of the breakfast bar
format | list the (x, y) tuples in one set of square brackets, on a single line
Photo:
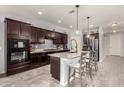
[(60, 65)]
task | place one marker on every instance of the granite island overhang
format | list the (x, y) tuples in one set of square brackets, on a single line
[(60, 65)]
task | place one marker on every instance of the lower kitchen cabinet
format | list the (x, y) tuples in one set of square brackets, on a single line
[(55, 67), (34, 60), (17, 68), (43, 59), (39, 59)]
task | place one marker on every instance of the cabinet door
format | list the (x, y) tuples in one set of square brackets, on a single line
[(25, 29), (40, 35), (57, 39), (13, 27), (33, 35), (48, 34), (64, 39), (55, 67), (34, 60), (43, 59)]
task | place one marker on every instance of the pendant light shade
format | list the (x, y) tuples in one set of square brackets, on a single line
[(77, 30)]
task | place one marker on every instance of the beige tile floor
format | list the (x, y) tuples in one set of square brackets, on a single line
[(110, 74)]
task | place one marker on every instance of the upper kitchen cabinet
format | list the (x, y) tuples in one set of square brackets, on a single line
[(57, 39), (60, 38), (25, 30), (37, 35), (41, 36), (50, 34), (17, 29), (33, 35), (12, 27), (64, 38)]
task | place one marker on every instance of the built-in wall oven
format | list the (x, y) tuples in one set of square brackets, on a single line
[(17, 51)]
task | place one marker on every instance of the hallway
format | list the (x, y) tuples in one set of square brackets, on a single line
[(111, 72)]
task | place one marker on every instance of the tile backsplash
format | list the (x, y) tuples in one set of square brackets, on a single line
[(47, 45)]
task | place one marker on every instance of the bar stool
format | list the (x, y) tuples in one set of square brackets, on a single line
[(80, 67), (91, 64), (95, 61)]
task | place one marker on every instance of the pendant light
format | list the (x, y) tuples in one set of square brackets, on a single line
[(77, 30), (88, 33)]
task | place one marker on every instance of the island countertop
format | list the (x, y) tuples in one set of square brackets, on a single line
[(48, 51), (60, 65), (66, 55)]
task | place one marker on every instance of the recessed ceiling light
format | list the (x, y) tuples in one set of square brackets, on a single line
[(59, 21), (40, 13), (77, 32), (91, 25), (114, 24), (70, 26), (114, 31)]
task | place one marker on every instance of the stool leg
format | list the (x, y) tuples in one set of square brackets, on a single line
[(80, 73), (69, 75), (74, 74)]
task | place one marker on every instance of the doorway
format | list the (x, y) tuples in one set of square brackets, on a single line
[(115, 46)]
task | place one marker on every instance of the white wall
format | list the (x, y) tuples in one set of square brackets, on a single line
[(101, 44), (2, 59), (117, 42), (122, 44), (106, 44)]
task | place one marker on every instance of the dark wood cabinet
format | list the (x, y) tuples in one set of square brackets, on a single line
[(13, 27), (33, 35), (17, 29), (60, 38), (39, 59), (43, 59), (57, 39), (34, 59), (40, 36), (64, 38), (25, 30), (50, 35), (14, 69), (37, 35), (55, 67)]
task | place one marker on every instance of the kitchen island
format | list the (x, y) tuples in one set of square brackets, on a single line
[(60, 65)]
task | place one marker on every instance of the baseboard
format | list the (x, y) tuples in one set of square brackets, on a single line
[(3, 75)]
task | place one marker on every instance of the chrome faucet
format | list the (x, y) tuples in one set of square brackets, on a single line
[(75, 46)]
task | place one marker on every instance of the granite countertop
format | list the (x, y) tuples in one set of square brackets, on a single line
[(66, 55), (45, 51)]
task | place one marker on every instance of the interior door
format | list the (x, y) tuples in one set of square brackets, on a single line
[(115, 44)]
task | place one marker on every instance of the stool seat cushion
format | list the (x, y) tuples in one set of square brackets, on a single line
[(76, 65)]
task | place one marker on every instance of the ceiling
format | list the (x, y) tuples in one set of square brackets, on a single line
[(100, 15)]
